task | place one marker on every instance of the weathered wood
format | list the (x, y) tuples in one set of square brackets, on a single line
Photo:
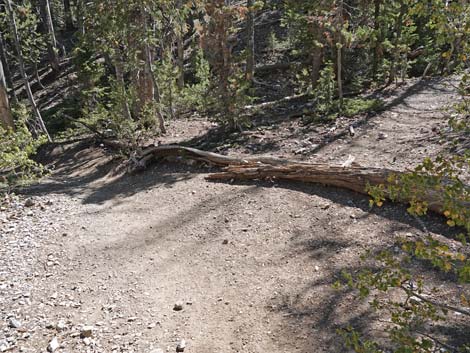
[(355, 178)]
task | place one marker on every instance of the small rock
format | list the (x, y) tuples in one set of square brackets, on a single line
[(13, 323), (178, 306), (29, 202), (351, 130), (4, 346), (317, 268), (61, 326), (181, 346), (225, 241), (86, 331), (87, 341), (382, 136), (53, 345)]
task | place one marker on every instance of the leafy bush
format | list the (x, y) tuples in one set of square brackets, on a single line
[(16, 149), (414, 312)]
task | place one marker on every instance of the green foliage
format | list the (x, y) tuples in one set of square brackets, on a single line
[(16, 149), (325, 91), (327, 106), (356, 106), (196, 95), (412, 312), (33, 43)]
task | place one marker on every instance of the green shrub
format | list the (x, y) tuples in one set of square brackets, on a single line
[(16, 149)]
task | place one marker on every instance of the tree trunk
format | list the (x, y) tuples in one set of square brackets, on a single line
[(250, 47), (378, 39), (6, 118), (68, 16), (126, 111), (49, 28), (147, 89), (7, 72), (339, 53), (317, 61), (180, 49), (396, 54), (16, 40), (80, 20)]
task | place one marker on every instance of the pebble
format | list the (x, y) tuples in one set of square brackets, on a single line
[(87, 341), (29, 202), (13, 323), (178, 306), (382, 136), (181, 346), (61, 326), (86, 331), (53, 345)]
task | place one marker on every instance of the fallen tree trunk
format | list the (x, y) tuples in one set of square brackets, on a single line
[(355, 178)]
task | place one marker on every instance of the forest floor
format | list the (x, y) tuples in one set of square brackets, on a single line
[(251, 264)]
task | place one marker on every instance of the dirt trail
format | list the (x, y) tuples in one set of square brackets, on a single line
[(253, 264)]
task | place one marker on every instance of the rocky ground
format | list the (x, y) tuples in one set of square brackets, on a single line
[(94, 260)]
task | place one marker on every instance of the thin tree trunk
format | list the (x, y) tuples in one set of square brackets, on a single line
[(156, 92), (396, 55), (180, 49), (49, 27), (126, 111), (36, 73), (339, 54), (7, 72), (250, 48), (149, 90), (80, 21), (68, 16), (6, 118), (378, 39), (317, 61), (16, 40)]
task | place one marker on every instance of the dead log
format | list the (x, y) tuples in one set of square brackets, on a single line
[(354, 177)]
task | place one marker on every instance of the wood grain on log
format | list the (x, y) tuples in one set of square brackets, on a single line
[(355, 178)]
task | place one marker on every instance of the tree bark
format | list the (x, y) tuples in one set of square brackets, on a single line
[(180, 49), (126, 111), (339, 53), (6, 118), (68, 16), (147, 89), (7, 72), (16, 40), (398, 31), (52, 48), (250, 47), (378, 39)]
